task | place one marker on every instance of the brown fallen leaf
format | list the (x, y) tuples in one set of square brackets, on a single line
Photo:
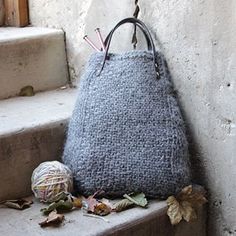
[(195, 194), (189, 213), (27, 91), (185, 204), (97, 207), (52, 219), (122, 205), (107, 202), (77, 202), (102, 209), (91, 203), (174, 210), (19, 204)]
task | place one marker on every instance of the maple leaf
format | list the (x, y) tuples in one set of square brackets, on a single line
[(174, 210), (195, 194), (188, 212), (185, 204)]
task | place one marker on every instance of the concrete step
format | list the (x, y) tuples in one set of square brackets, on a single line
[(152, 221), (32, 130), (31, 56)]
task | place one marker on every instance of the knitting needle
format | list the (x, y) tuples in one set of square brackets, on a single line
[(91, 43), (100, 38)]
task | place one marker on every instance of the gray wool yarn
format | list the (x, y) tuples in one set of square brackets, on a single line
[(126, 133)]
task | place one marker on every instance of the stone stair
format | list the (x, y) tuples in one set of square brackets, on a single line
[(32, 130), (152, 221), (31, 56)]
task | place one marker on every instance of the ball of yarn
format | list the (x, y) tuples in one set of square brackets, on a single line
[(49, 179)]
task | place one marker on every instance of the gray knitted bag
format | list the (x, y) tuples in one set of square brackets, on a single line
[(126, 133)]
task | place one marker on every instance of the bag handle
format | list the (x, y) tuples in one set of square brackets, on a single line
[(144, 29), (145, 34)]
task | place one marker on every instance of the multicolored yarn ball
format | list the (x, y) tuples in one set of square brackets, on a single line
[(51, 178)]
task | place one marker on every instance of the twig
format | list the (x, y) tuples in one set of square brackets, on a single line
[(95, 216)]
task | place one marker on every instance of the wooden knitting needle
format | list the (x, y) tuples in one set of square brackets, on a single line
[(100, 38), (86, 38)]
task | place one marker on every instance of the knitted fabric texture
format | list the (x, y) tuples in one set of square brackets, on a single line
[(126, 133)]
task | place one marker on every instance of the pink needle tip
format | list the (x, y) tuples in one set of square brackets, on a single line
[(86, 38), (100, 38)]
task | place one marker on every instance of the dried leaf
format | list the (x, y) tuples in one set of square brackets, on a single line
[(98, 207), (19, 204), (77, 202), (174, 210), (102, 209), (62, 196), (188, 212), (130, 200), (195, 194), (186, 203), (52, 219), (59, 206), (107, 202), (123, 205), (91, 203), (138, 199), (27, 91)]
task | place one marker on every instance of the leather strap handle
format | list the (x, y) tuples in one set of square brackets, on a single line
[(147, 35)]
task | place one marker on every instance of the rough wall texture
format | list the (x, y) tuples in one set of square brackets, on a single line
[(78, 18), (198, 38)]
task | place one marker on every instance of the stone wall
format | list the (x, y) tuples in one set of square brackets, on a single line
[(78, 18), (198, 38)]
